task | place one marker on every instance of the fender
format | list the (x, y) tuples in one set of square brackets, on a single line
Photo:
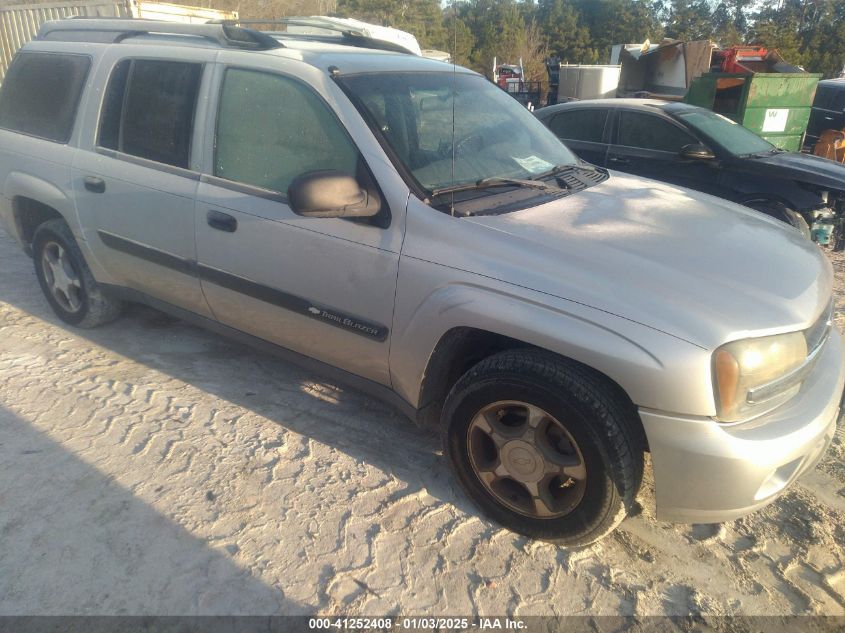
[(21, 184), (784, 190), (24, 185), (597, 339)]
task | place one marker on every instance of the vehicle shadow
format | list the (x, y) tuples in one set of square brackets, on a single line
[(366, 429), (75, 540)]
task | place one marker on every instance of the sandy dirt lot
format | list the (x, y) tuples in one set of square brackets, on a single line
[(149, 467)]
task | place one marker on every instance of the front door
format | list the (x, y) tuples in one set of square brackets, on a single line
[(650, 145), (323, 287)]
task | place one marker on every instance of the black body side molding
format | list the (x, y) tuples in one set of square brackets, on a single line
[(268, 294)]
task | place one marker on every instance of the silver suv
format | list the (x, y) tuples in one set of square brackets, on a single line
[(404, 225)]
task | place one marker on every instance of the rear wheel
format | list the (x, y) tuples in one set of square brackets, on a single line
[(545, 447), (66, 280)]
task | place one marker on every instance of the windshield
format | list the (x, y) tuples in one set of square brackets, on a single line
[(731, 136), (492, 135)]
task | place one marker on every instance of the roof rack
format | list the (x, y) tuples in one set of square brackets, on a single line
[(225, 34), (345, 36)]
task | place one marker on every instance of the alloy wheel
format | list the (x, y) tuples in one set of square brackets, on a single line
[(62, 280), (526, 459)]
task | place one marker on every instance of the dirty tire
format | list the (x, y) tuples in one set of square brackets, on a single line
[(596, 414), (837, 240), (781, 212), (96, 308)]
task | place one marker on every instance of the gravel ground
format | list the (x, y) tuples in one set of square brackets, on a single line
[(149, 467)]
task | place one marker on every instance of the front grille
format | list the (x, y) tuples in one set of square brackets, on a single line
[(817, 333)]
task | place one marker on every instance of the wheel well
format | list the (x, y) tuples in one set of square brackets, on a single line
[(460, 349), (456, 351), (763, 199), (29, 215)]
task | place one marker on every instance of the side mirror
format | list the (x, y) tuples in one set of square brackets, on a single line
[(331, 194), (697, 151)]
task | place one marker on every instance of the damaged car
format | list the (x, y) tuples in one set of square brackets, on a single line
[(696, 148)]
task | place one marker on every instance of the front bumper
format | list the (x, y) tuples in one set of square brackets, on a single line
[(707, 472)]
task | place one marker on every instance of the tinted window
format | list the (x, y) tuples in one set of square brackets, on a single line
[(579, 125), (41, 93), (830, 97), (271, 129), (824, 97), (839, 100), (149, 110), (650, 132), (113, 105), (736, 139)]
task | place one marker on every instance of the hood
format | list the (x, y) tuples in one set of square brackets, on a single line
[(795, 166), (694, 266)]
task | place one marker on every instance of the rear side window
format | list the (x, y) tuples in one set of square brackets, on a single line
[(830, 97), (650, 132), (148, 110), (271, 129), (579, 125), (824, 97), (839, 100), (41, 93)]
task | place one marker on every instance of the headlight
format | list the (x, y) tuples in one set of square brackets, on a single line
[(740, 368)]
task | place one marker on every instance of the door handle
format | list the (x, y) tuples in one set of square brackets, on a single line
[(94, 184), (221, 221), (618, 160), (828, 118)]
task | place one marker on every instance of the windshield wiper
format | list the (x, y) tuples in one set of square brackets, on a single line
[(558, 169), (768, 152), (487, 183)]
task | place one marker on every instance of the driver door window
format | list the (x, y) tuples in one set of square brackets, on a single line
[(271, 129)]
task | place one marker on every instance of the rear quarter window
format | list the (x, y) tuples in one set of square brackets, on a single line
[(41, 92)]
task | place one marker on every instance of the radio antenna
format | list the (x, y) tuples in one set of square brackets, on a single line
[(454, 88)]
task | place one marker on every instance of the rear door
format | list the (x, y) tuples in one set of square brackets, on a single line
[(649, 145), (585, 131), (134, 182)]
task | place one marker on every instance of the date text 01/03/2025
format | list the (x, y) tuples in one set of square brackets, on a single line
[(424, 623)]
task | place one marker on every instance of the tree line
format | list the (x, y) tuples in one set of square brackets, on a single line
[(810, 33)]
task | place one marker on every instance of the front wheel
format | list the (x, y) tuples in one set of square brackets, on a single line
[(837, 237), (545, 447)]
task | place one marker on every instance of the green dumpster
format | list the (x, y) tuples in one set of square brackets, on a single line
[(774, 105)]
